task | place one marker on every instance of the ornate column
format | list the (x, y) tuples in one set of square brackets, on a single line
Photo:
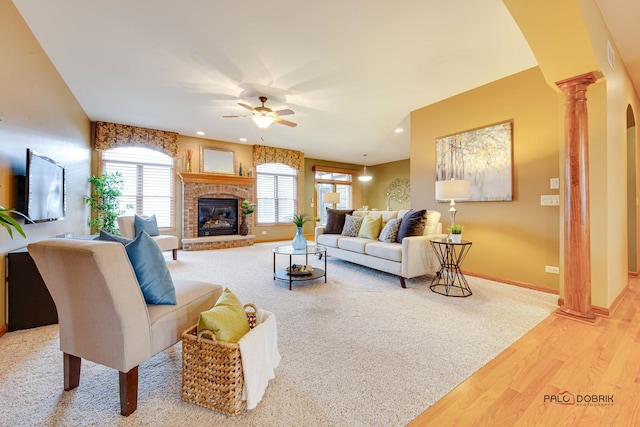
[(577, 247)]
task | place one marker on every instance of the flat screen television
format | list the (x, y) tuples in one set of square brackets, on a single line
[(44, 189)]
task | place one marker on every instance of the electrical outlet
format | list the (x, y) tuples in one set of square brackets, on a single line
[(554, 183), (551, 269), (264, 232)]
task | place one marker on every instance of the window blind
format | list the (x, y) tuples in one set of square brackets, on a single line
[(277, 192), (148, 182)]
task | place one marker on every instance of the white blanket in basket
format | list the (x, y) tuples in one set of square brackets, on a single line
[(260, 356)]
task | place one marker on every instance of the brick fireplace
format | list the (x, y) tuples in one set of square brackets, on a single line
[(213, 186)]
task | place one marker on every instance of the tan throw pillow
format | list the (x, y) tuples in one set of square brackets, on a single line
[(351, 226), (370, 228), (227, 319)]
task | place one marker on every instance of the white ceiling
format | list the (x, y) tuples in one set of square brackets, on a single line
[(351, 70)]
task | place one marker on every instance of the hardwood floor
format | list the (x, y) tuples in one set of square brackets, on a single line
[(526, 384)]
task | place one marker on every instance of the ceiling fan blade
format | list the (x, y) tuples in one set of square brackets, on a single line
[(283, 112), (229, 117), (285, 122), (248, 107)]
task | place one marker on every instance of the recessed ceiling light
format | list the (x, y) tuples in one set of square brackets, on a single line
[(200, 133), (399, 130), (243, 139)]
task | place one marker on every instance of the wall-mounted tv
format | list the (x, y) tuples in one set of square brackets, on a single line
[(44, 189)]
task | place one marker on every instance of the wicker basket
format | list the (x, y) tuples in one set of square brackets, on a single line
[(212, 370)]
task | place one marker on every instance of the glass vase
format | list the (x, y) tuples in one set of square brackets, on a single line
[(299, 242)]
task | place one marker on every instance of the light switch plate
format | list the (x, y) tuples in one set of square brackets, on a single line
[(550, 200), (554, 183)]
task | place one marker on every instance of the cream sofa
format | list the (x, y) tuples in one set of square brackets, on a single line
[(126, 224), (412, 258)]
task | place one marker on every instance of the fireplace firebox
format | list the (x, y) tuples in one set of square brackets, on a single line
[(217, 216)]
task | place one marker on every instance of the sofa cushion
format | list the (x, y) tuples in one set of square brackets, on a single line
[(227, 319), (390, 231), (151, 270), (390, 251), (412, 225), (329, 240), (149, 224), (335, 220), (433, 219), (351, 226), (354, 244), (370, 228)]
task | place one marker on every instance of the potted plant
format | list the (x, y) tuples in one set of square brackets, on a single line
[(9, 223), (103, 201), (299, 241), (246, 208), (456, 233)]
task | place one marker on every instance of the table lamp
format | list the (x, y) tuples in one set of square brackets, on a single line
[(333, 198), (453, 189)]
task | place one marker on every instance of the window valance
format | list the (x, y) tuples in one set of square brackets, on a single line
[(264, 154), (113, 135)]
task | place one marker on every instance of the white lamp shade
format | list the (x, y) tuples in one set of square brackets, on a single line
[(331, 197), (453, 189)]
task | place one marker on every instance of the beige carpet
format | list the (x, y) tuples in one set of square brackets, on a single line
[(356, 351)]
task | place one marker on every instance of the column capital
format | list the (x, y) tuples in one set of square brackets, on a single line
[(582, 79)]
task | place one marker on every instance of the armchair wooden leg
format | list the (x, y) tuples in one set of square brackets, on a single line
[(71, 371), (129, 392), (402, 282), (175, 254)]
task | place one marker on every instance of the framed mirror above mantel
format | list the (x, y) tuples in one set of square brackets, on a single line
[(217, 160)]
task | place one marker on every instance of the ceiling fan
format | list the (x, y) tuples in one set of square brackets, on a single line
[(264, 116)]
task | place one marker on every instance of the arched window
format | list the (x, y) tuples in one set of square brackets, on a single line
[(277, 193), (148, 182)]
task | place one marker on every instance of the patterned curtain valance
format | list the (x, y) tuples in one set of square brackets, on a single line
[(113, 135), (263, 154)]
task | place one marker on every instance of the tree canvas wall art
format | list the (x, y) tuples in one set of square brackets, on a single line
[(482, 156)]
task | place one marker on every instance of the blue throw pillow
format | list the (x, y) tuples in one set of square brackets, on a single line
[(149, 224), (151, 270), (113, 238)]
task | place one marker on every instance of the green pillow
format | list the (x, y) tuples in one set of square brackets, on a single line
[(370, 228), (227, 319)]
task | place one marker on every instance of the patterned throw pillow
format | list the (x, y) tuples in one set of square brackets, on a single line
[(352, 226), (390, 231)]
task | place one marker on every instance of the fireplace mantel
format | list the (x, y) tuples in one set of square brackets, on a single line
[(214, 178)]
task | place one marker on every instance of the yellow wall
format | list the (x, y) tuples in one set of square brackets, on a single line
[(579, 46), (37, 111), (511, 240), (384, 175)]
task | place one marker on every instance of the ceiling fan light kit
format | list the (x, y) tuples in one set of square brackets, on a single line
[(263, 116), (364, 177)]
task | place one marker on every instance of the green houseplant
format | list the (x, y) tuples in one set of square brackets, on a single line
[(456, 233), (246, 208), (299, 241), (7, 221), (107, 188)]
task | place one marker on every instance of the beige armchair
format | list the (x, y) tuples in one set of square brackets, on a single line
[(103, 315), (165, 241)]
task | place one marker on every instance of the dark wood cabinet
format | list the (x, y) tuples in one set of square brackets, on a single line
[(29, 303)]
